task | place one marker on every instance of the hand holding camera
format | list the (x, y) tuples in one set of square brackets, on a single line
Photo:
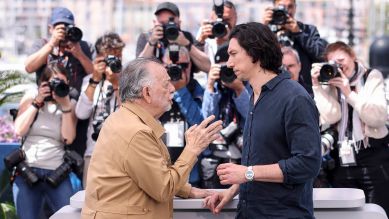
[(156, 34), (205, 30), (213, 76)]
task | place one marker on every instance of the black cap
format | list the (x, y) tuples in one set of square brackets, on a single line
[(168, 6)]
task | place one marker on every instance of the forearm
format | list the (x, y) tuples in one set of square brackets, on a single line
[(38, 59), (148, 51), (68, 127), (268, 173), (200, 59), (86, 63), (24, 120)]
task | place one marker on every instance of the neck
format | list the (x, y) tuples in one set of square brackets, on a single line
[(145, 106), (260, 78)]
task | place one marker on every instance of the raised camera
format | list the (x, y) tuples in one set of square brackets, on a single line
[(72, 161), (170, 30), (280, 15), (114, 63), (73, 34), (59, 87), (227, 74), (16, 160), (328, 71)]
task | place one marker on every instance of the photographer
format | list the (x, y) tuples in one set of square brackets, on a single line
[(353, 101), (47, 122), (99, 97), (212, 34), (167, 30), (227, 98), (67, 49), (304, 38), (187, 100)]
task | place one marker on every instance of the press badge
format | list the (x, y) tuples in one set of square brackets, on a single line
[(347, 154), (175, 133)]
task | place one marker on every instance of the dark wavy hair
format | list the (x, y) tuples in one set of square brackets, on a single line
[(109, 40), (260, 43)]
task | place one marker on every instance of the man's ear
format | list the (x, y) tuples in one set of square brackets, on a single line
[(146, 94)]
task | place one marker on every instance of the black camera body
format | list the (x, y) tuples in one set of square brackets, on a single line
[(73, 34), (280, 15), (329, 71), (16, 161), (114, 63), (72, 161), (329, 139), (59, 87), (171, 30), (227, 74)]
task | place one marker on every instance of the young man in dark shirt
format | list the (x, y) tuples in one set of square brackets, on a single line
[(281, 150)]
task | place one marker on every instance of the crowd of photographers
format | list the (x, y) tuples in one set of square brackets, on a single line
[(79, 81)]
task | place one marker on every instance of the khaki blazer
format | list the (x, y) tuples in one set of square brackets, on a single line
[(130, 173)]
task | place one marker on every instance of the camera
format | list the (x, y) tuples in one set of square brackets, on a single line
[(175, 70), (59, 87), (328, 71), (16, 161), (329, 138), (280, 15), (284, 39), (73, 34), (72, 161), (114, 63), (227, 74), (98, 124), (219, 27), (170, 30)]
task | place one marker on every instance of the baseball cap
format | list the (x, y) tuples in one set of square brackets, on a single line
[(61, 15), (168, 6)]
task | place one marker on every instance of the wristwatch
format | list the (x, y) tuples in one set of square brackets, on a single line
[(249, 174), (91, 81)]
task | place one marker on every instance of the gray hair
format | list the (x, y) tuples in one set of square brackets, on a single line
[(291, 51), (134, 77)]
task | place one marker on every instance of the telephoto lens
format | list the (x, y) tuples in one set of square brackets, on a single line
[(227, 74), (170, 30), (59, 87), (280, 15), (328, 71), (174, 71), (73, 34)]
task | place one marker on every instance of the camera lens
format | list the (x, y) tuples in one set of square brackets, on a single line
[(219, 29), (26, 172), (59, 174), (280, 15), (59, 87), (170, 30), (114, 63), (174, 72), (328, 71), (73, 34)]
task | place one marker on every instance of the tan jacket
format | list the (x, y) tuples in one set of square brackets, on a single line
[(130, 173)]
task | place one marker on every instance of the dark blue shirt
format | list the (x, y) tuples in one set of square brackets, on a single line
[(281, 127)]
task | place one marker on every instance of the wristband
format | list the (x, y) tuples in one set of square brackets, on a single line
[(91, 81), (66, 111), (150, 44), (37, 104), (189, 46)]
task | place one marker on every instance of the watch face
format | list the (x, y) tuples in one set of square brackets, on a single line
[(249, 175)]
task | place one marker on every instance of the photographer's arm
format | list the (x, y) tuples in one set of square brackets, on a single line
[(149, 44), (69, 120), (77, 52), (200, 59), (26, 115), (39, 58)]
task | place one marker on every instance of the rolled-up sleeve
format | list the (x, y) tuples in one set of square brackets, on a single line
[(303, 136)]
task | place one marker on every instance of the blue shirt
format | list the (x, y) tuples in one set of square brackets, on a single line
[(281, 127)]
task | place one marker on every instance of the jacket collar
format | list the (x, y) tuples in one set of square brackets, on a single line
[(146, 117)]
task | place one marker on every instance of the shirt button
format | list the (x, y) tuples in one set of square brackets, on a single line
[(251, 113)]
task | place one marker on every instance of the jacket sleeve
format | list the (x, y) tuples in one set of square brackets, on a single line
[(189, 107), (310, 41), (327, 104), (210, 104), (84, 106), (303, 138), (370, 103), (150, 171), (242, 103)]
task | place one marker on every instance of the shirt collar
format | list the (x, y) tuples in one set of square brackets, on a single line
[(276, 80), (146, 117)]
